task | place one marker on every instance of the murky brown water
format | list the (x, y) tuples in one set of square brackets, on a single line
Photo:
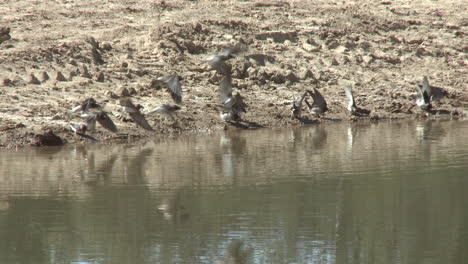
[(343, 193)]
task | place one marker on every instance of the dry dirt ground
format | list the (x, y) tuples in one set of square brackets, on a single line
[(383, 48)]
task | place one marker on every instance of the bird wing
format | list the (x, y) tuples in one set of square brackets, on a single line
[(105, 121), (140, 120), (218, 64), (318, 99), (225, 88), (423, 94), (426, 87), (349, 95), (228, 52), (174, 87)]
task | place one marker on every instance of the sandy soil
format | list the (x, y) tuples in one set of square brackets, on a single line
[(382, 47)]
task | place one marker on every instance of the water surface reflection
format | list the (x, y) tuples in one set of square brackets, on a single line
[(342, 193)]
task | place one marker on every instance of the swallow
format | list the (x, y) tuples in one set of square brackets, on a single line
[(88, 104), (233, 106), (167, 110), (174, 87), (218, 61), (297, 106), (435, 93), (351, 103), (319, 106), (134, 112), (424, 99)]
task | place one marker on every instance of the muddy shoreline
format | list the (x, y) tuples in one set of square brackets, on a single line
[(63, 52)]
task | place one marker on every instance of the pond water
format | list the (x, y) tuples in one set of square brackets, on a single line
[(389, 192)]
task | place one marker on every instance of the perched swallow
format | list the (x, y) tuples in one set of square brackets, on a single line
[(218, 61), (174, 87), (319, 106), (167, 110), (233, 106), (134, 112), (297, 106)]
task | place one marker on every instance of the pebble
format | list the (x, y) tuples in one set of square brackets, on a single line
[(99, 77), (44, 76), (7, 82), (33, 80), (60, 77)]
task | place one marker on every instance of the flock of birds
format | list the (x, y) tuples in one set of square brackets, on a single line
[(233, 106)]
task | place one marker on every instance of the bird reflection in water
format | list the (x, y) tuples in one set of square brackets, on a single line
[(233, 146), (173, 208), (237, 253)]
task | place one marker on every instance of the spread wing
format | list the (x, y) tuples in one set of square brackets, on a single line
[(218, 64), (229, 52), (426, 87), (423, 94), (140, 120), (105, 121), (318, 99), (349, 95), (174, 87), (225, 88)]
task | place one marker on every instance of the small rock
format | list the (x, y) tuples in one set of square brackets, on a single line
[(4, 34), (60, 77), (73, 62), (57, 117), (33, 80), (334, 62), (343, 59), (310, 48), (124, 64), (44, 76), (307, 74), (112, 95), (277, 78), (341, 49), (291, 77), (132, 91), (48, 139), (367, 59), (106, 46), (415, 40), (7, 82), (123, 92), (85, 72), (99, 77), (72, 74)]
